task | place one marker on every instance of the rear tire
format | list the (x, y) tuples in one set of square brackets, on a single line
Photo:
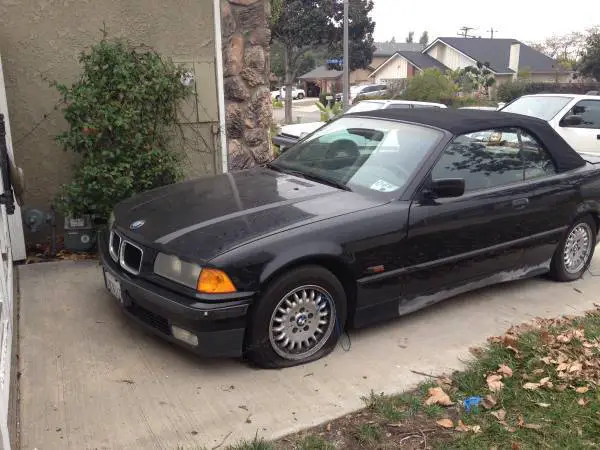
[(574, 253), (298, 318), (300, 96)]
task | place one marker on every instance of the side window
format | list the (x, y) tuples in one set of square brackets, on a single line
[(536, 159), (484, 159), (588, 111), (399, 106)]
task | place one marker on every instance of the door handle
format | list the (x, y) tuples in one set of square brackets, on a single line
[(520, 203), (598, 137)]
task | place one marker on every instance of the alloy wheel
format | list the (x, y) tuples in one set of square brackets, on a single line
[(577, 248), (302, 322)]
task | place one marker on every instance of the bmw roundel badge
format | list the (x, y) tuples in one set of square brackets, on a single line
[(137, 224)]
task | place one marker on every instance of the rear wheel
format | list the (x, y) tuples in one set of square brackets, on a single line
[(300, 96), (574, 254), (298, 319)]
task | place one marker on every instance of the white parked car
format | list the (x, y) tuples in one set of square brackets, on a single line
[(365, 90), (297, 94), (575, 117), (290, 134)]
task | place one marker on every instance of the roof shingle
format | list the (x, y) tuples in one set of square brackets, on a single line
[(423, 61), (321, 73), (391, 48), (497, 53)]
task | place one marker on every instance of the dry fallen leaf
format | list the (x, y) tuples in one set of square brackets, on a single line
[(488, 401), (543, 405), (532, 426), (445, 423), (500, 414), (494, 383), (582, 401), (444, 382), (461, 426), (582, 389), (531, 386), (538, 371), (437, 396), (575, 367), (328, 428), (505, 370), (516, 446), (562, 367)]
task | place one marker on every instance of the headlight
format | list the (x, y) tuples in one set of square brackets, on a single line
[(206, 280), (111, 220), (174, 269)]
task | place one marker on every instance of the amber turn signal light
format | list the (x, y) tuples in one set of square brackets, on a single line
[(214, 281)]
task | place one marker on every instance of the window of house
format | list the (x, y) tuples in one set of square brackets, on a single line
[(484, 159), (589, 111)]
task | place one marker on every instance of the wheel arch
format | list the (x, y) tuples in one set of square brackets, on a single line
[(591, 209), (329, 256)]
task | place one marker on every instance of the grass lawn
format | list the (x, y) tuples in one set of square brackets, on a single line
[(535, 387)]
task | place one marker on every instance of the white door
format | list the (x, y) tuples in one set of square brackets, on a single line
[(583, 133), (15, 224), (12, 247)]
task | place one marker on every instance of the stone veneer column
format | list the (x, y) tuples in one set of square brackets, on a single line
[(246, 67)]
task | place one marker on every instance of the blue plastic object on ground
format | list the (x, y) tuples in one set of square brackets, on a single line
[(472, 402)]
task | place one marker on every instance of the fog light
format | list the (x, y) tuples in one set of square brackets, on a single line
[(184, 335)]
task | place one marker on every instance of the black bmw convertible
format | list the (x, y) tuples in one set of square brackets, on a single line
[(375, 215)]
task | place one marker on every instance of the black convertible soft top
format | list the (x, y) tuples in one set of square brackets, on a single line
[(461, 121)]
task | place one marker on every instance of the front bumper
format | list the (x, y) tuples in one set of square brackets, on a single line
[(219, 327)]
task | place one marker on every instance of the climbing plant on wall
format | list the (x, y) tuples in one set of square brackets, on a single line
[(119, 111)]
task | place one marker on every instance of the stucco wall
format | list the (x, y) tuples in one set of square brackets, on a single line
[(43, 38)]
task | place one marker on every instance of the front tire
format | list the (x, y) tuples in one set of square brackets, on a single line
[(574, 254), (298, 319), (300, 96)]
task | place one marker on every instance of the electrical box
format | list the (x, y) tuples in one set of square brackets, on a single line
[(80, 235)]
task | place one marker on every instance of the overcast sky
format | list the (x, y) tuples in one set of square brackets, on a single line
[(526, 20)]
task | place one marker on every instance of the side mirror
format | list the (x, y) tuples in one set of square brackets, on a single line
[(571, 121), (447, 187)]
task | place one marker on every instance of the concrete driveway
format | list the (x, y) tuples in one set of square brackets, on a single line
[(91, 379)]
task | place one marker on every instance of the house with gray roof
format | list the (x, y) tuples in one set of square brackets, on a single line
[(506, 57)]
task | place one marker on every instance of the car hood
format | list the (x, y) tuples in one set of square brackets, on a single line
[(202, 218), (299, 129)]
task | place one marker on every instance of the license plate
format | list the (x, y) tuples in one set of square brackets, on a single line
[(113, 286)]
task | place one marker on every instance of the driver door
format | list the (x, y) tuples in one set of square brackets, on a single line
[(453, 242)]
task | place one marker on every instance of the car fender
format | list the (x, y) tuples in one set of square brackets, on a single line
[(588, 207), (305, 252)]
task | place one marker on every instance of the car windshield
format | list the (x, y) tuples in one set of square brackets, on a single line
[(542, 107), (359, 154), (365, 106)]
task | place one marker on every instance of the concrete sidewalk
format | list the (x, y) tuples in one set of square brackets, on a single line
[(91, 379)]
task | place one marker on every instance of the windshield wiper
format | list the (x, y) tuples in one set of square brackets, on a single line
[(309, 176)]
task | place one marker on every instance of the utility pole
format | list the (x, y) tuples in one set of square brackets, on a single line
[(464, 31), (491, 31), (346, 73)]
